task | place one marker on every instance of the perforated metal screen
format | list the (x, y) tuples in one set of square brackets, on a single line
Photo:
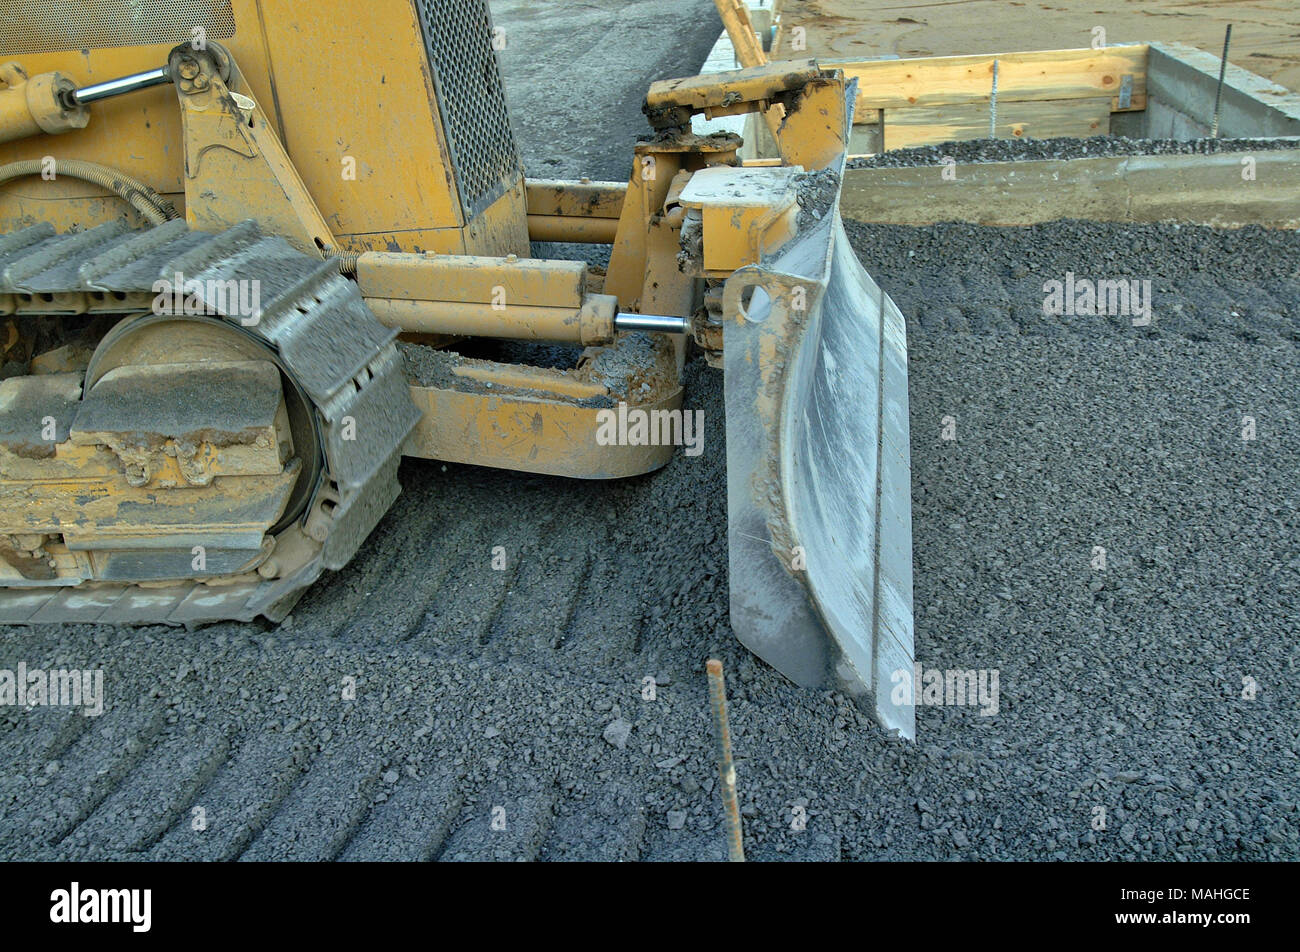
[(30, 26), (472, 99)]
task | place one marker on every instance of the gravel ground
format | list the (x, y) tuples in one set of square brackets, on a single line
[(1028, 150), (505, 714), (1119, 689), (576, 74)]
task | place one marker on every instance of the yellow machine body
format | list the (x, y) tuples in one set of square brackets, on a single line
[(347, 87)]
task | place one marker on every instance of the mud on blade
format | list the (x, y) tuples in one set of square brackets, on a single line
[(818, 471)]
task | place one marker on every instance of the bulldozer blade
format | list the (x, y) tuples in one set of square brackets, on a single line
[(818, 472)]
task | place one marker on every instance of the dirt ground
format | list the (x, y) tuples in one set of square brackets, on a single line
[(1265, 33)]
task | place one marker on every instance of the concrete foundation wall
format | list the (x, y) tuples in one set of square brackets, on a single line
[(1181, 86), (1193, 189)]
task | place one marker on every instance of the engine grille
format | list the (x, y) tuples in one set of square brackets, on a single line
[(33, 26), (471, 98)]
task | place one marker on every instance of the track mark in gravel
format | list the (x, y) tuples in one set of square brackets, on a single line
[(43, 733), (540, 601), (331, 604), (239, 799), (409, 571), (411, 824), (566, 631), (94, 766), (486, 622), (325, 810), (606, 620), (398, 548), (472, 592), (152, 796), (597, 827), (449, 530), (504, 822)]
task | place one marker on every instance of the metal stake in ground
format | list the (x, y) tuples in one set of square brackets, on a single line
[(1223, 68), (993, 104), (726, 769)]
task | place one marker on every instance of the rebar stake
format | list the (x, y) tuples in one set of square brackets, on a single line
[(993, 104), (726, 769), (1218, 93)]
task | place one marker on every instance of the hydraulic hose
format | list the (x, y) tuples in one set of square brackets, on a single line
[(141, 197)]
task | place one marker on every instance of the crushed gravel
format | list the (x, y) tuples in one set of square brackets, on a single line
[(525, 689), (1027, 150)]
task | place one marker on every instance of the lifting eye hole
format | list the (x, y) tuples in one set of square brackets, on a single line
[(755, 304)]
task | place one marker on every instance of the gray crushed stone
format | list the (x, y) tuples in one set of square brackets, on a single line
[(817, 193), (1026, 150), (1120, 689)]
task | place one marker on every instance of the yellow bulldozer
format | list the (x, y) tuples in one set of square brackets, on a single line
[(245, 246)]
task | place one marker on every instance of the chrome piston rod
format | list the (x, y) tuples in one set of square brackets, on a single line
[(655, 323), (120, 87)]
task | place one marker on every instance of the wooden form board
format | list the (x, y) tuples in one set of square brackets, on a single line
[(1043, 93), (920, 125), (1022, 77)]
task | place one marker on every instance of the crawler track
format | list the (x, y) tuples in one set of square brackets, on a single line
[(313, 324)]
